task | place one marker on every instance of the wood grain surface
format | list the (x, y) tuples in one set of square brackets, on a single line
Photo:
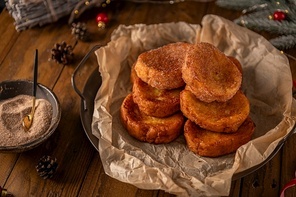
[(80, 171)]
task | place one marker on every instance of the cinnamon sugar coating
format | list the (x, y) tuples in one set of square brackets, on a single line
[(211, 75), (216, 116), (161, 67), (12, 112)]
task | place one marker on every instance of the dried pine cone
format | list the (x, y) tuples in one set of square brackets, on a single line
[(47, 167), (79, 31), (62, 53)]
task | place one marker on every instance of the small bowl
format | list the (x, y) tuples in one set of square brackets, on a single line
[(10, 89)]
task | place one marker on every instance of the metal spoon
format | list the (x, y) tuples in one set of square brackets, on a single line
[(28, 119)]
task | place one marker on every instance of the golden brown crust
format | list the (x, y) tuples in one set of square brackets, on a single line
[(237, 63), (133, 75), (155, 102), (161, 67), (210, 74), (215, 116), (212, 144), (147, 128)]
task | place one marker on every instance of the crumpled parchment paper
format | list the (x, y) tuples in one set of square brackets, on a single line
[(267, 82)]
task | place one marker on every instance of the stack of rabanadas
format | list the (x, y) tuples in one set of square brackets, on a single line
[(193, 89)]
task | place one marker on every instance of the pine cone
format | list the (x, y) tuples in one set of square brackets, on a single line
[(79, 31), (47, 167), (62, 53)]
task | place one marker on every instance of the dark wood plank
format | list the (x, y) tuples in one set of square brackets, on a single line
[(19, 61), (235, 188), (264, 181), (97, 183), (288, 168), (8, 34), (7, 163)]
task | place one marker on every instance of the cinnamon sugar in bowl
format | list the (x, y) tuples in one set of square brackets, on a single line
[(15, 103)]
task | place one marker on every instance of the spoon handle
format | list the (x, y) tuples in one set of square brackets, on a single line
[(35, 73)]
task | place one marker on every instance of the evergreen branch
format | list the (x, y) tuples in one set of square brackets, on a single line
[(239, 4), (284, 42), (259, 21), (258, 15)]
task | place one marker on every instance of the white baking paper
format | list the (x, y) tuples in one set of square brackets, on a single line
[(267, 82)]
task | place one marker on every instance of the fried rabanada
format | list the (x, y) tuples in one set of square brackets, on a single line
[(216, 116), (213, 144), (210, 74), (153, 101), (148, 128), (161, 67)]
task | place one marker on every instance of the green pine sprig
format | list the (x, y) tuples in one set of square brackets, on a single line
[(239, 4), (284, 42), (257, 15), (260, 21)]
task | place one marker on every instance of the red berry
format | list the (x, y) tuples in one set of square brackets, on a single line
[(279, 15), (102, 17)]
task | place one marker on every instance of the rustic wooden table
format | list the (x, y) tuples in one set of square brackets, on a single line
[(80, 171)]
